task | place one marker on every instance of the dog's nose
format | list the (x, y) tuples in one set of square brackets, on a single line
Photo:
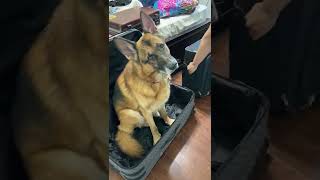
[(174, 66)]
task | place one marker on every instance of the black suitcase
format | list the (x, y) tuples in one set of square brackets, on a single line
[(240, 139), (180, 107), (200, 80)]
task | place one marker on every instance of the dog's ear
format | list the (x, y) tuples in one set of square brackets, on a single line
[(126, 47), (148, 24)]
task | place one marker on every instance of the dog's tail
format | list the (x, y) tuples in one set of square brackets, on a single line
[(128, 144)]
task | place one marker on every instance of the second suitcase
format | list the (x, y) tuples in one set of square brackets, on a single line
[(240, 137), (200, 80)]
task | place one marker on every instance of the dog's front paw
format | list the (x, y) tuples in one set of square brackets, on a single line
[(156, 138), (156, 114), (169, 121)]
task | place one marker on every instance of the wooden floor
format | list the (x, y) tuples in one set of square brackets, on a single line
[(189, 155), (295, 147)]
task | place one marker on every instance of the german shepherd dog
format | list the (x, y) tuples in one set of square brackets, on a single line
[(60, 110), (143, 88)]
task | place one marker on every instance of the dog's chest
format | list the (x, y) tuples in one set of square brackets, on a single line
[(155, 96), (163, 93)]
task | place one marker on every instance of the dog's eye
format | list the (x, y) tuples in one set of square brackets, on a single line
[(161, 46), (147, 43), (151, 57)]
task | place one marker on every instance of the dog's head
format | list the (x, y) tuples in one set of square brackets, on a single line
[(150, 51)]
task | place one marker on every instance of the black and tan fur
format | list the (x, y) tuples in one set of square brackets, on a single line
[(60, 111), (143, 87)]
